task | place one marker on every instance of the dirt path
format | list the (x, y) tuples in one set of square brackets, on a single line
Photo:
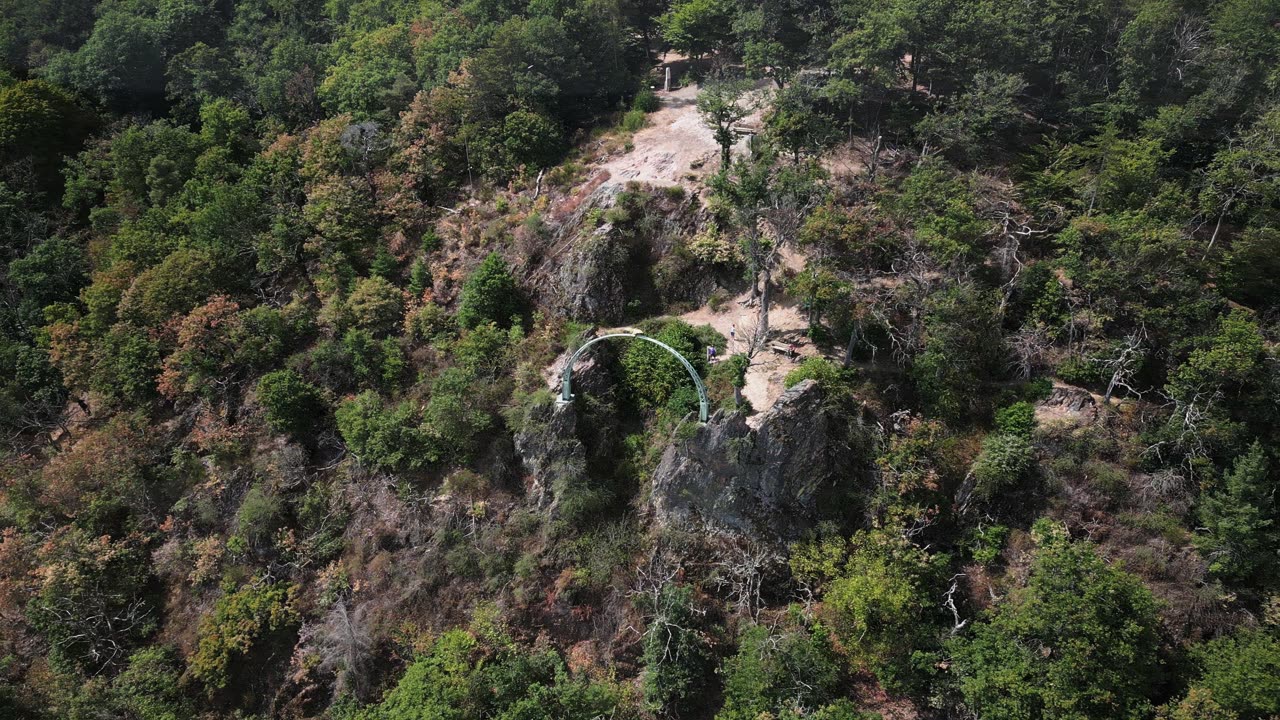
[(767, 370), (675, 148)]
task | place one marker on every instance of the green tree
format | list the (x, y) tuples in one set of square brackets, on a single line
[(676, 658), (1241, 673), (376, 305), (374, 76), (41, 123), (697, 27), (796, 124), (54, 271), (149, 687), (989, 104), (489, 295), (653, 376), (1239, 517), (788, 673), (1079, 640), (876, 599), (291, 403), (723, 105), (122, 62), (382, 437)]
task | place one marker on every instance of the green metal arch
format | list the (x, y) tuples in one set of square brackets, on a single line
[(566, 389)]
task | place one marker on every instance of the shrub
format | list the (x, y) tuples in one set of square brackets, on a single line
[(481, 673), (1005, 461), (646, 101), (827, 374), (258, 516), (238, 621), (429, 323), (1017, 419), (291, 404), (489, 295), (634, 120)]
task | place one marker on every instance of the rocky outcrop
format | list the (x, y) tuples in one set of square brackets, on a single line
[(808, 460), (549, 441), (1067, 405), (592, 282), (551, 455)]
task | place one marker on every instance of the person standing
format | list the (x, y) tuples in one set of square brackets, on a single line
[(711, 353), (733, 334)]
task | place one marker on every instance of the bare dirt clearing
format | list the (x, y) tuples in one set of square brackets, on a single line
[(787, 324), (676, 147)]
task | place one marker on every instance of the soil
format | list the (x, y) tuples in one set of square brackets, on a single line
[(768, 369), (676, 147)]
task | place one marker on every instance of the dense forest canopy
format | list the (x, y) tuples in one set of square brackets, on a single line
[(286, 286)]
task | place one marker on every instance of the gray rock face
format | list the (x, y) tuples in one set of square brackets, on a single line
[(592, 282), (806, 461), (548, 442), (1067, 405), (551, 455)]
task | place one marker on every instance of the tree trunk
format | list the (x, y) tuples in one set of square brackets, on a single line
[(854, 334), (766, 293), (875, 158)]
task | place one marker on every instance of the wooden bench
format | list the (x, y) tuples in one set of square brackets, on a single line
[(784, 350)]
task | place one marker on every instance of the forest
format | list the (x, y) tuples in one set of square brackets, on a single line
[(985, 296)]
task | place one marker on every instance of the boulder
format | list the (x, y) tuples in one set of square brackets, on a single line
[(550, 441), (592, 283), (1067, 405), (807, 460), (551, 455)]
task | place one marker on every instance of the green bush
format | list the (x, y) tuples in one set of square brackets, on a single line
[(238, 621), (827, 374), (1017, 419), (259, 515), (646, 101), (634, 120), (489, 295), (1005, 460), (290, 403), (467, 675)]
